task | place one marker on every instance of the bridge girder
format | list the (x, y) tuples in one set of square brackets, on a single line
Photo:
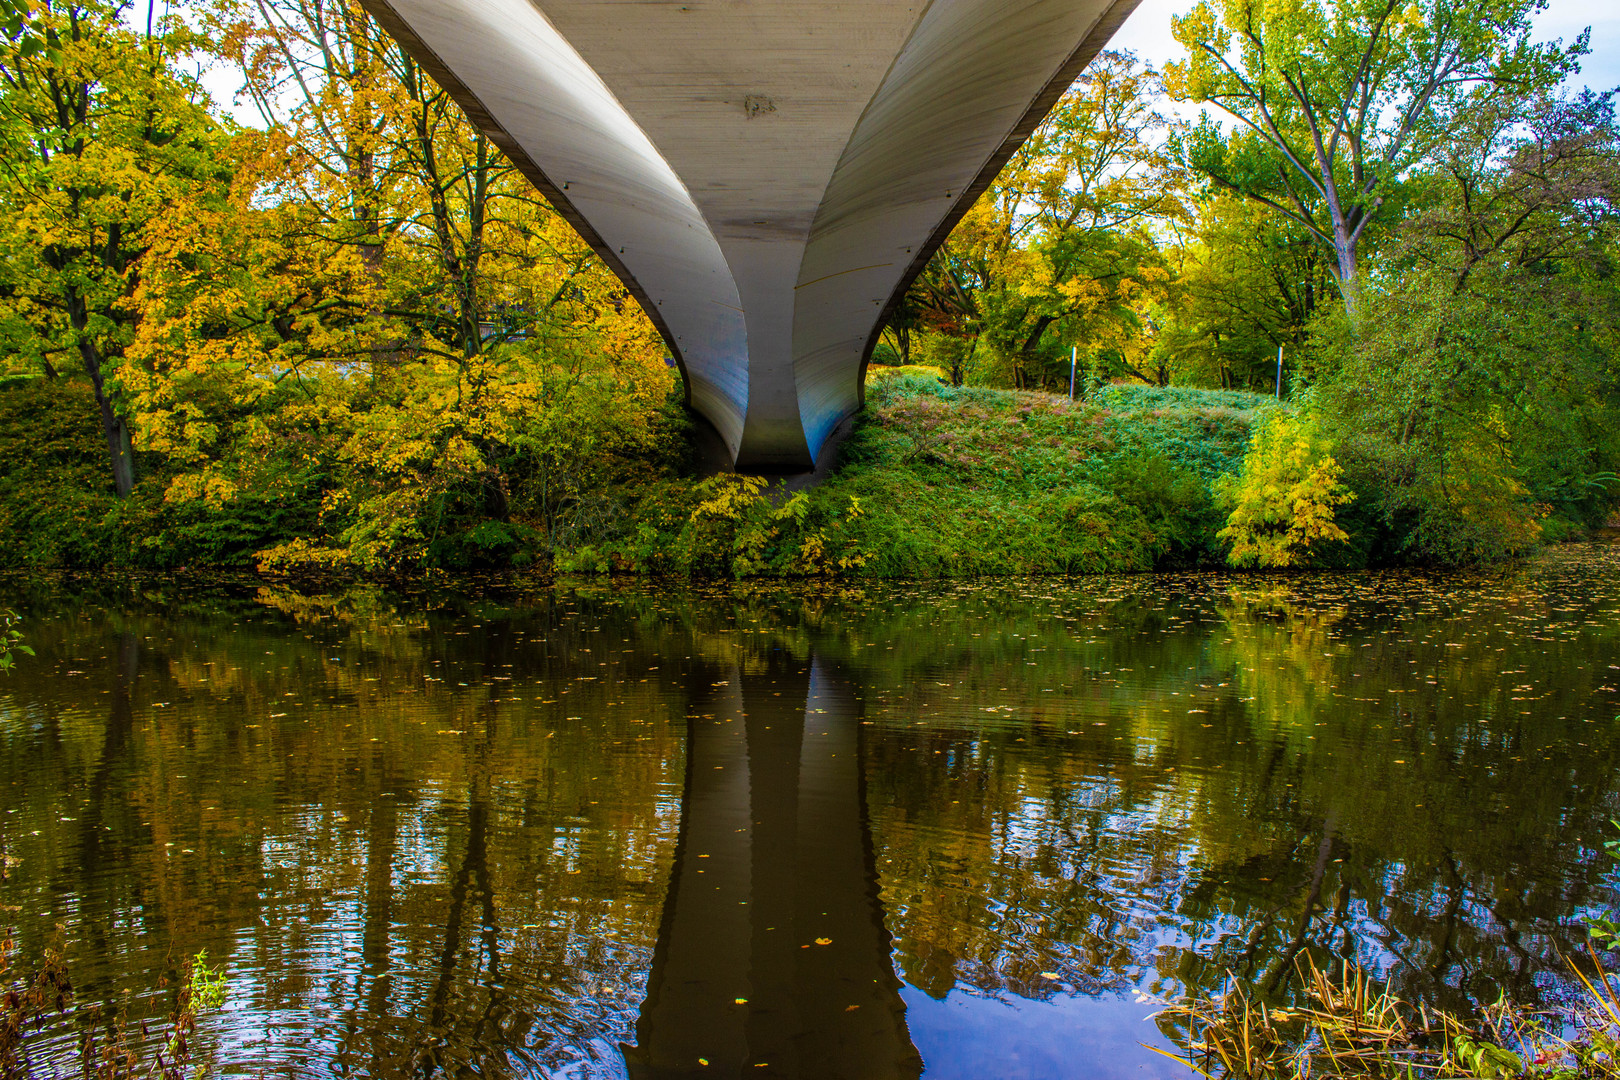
[(767, 177)]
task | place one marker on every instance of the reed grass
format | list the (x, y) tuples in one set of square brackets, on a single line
[(1353, 1026)]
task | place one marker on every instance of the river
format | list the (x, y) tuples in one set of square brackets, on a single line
[(964, 829)]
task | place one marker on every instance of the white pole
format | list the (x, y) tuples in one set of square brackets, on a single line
[(1279, 373), (1074, 351)]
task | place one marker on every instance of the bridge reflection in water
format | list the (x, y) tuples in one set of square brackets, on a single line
[(772, 956)]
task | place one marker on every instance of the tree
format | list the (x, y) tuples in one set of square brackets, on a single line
[(1527, 182), (1283, 501), (1248, 281), (1476, 408), (116, 142), (1337, 100), (382, 321), (1059, 250)]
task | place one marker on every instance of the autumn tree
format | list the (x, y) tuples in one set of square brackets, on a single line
[(103, 141), (1058, 250), (386, 293), (1283, 501), (1335, 101)]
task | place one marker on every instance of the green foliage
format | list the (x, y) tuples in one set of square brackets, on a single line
[(1605, 929), (208, 986), (1174, 502), (972, 481), (1337, 103), (1250, 282), (908, 371), (1472, 400), (11, 639), (947, 481), (1485, 1059), (1467, 425), (59, 508), (121, 148), (1058, 253), (725, 526)]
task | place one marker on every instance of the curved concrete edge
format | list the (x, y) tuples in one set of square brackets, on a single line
[(943, 101), (535, 98), (751, 102), (771, 311)]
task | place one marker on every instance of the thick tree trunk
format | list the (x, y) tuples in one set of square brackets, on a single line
[(1345, 249)]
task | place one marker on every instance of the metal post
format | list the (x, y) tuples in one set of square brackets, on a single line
[(1074, 351), (1279, 373)]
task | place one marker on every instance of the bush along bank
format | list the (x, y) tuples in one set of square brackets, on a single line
[(934, 481)]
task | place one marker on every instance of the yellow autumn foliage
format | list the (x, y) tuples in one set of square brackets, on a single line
[(1282, 503)]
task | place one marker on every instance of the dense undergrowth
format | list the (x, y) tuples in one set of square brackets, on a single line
[(943, 481), (935, 481)]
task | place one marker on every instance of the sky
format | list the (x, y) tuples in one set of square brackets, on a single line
[(1147, 33)]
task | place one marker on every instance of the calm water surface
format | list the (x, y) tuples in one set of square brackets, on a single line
[(962, 830)]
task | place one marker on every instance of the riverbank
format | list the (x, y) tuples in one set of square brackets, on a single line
[(940, 481), (934, 481)]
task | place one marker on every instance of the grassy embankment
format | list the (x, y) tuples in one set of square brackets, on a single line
[(935, 481), (962, 481)]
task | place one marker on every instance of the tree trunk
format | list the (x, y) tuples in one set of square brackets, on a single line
[(119, 450), (1345, 249)]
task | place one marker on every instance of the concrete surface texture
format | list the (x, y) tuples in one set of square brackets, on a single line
[(766, 176)]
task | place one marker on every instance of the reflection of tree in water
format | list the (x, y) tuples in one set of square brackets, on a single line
[(1463, 826), (1114, 783), (420, 876), (1332, 782)]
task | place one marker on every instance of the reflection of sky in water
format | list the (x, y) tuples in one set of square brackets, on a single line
[(969, 1037), (428, 833)]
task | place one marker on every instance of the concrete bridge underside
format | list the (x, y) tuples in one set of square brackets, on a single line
[(766, 176)]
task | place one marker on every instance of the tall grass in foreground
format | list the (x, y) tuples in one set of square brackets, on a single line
[(1352, 1027)]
